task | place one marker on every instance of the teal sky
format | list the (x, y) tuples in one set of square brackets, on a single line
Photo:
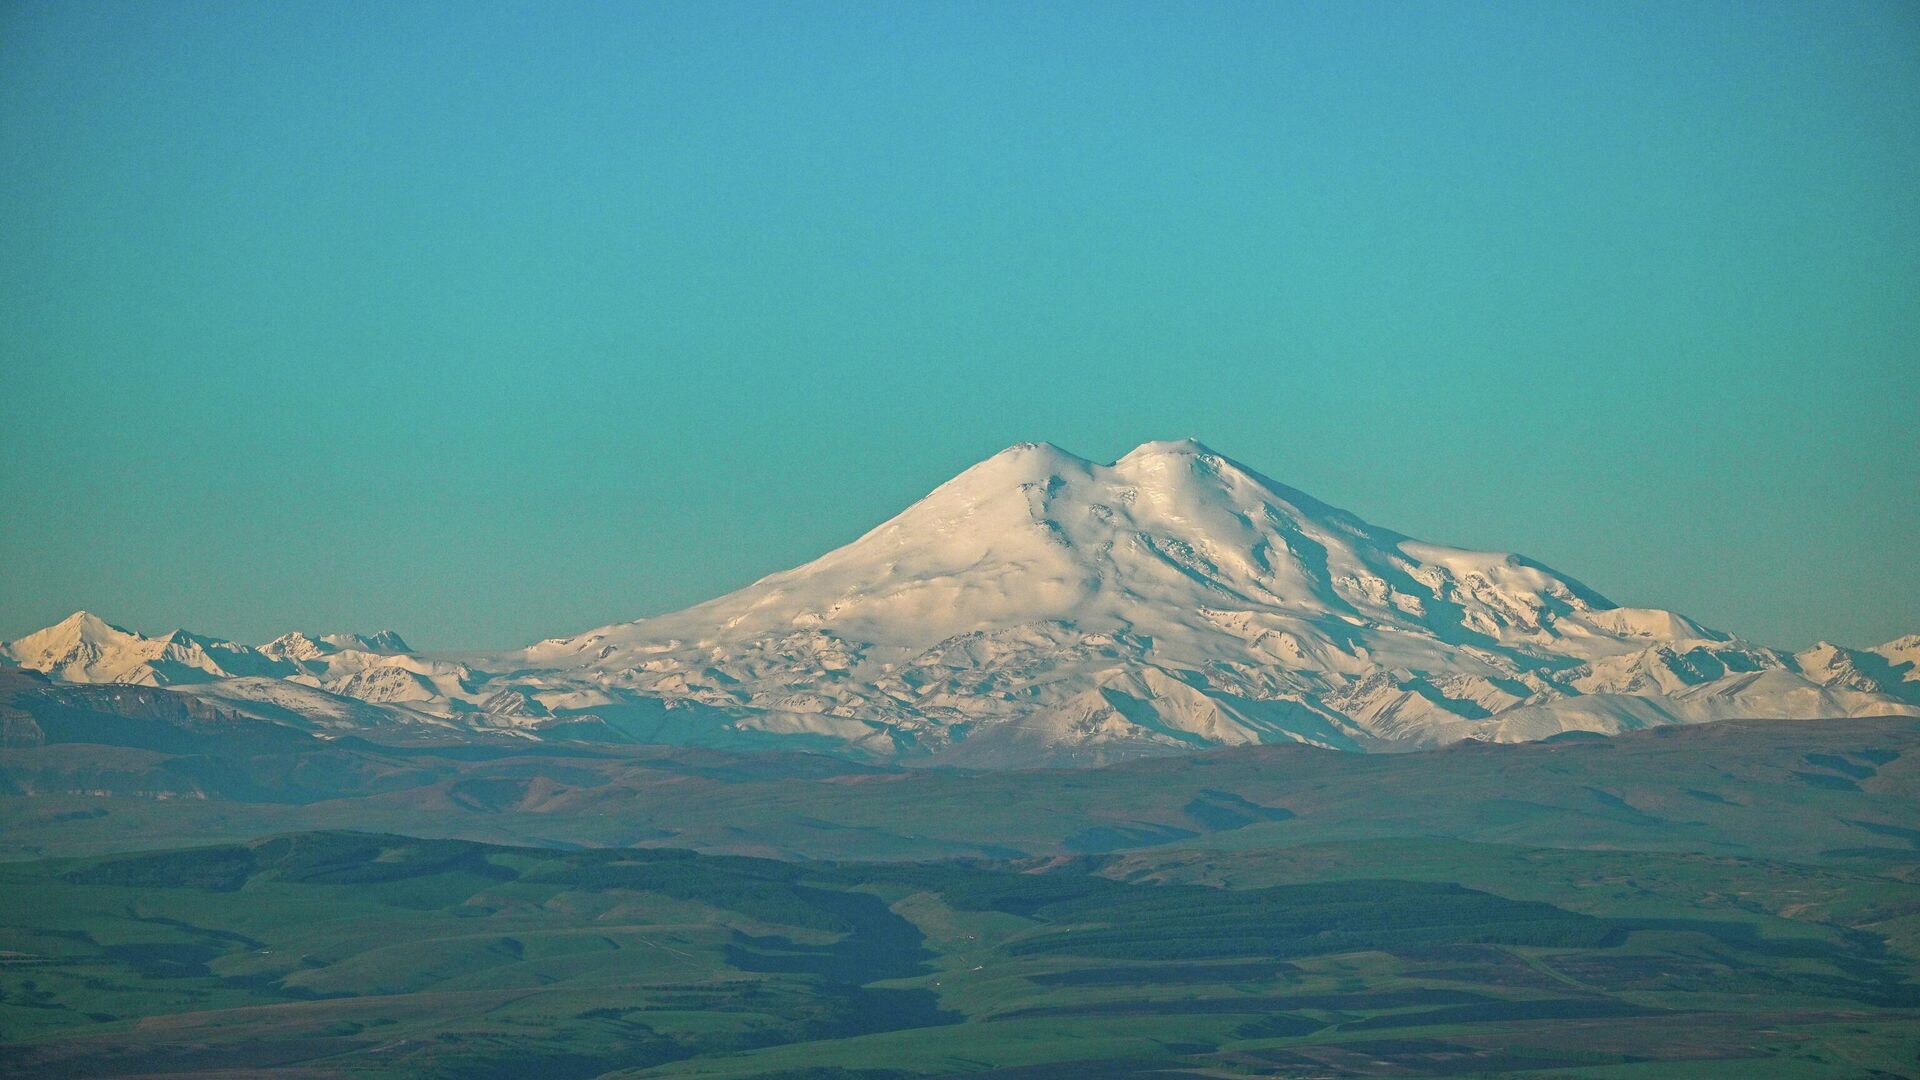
[(487, 322)]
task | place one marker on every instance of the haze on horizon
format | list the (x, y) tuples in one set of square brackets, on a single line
[(493, 324)]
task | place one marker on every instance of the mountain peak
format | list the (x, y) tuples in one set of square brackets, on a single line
[(1172, 597), (1046, 449), (293, 646), (82, 647), (386, 641), (1902, 651), (1212, 561), (1034, 458), (390, 641), (1188, 447), (1045, 456), (87, 624), (82, 629)]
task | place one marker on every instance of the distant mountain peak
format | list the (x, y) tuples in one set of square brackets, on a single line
[(1037, 448), (77, 628), (385, 641), (390, 640), (1171, 596), (1188, 447), (86, 622)]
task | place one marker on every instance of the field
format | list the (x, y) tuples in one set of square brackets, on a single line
[(342, 954), (1729, 900)]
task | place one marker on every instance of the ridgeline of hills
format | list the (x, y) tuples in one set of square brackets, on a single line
[(1800, 790)]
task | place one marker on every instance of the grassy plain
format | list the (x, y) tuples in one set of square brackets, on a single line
[(339, 954), (1728, 900)]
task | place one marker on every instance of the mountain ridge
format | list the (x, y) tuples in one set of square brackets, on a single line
[(1043, 608)]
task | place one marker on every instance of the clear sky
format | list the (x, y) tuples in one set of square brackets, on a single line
[(493, 321)]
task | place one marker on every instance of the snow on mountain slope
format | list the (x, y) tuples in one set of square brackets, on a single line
[(1902, 671), (1892, 669), (296, 679), (1172, 542), (84, 648), (297, 705), (1042, 608)]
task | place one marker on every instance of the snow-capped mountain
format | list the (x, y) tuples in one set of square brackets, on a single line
[(85, 648), (1893, 668), (327, 682), (1040, 607), (1042, 603)]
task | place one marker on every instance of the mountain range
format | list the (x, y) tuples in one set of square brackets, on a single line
[(1041, 608)]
